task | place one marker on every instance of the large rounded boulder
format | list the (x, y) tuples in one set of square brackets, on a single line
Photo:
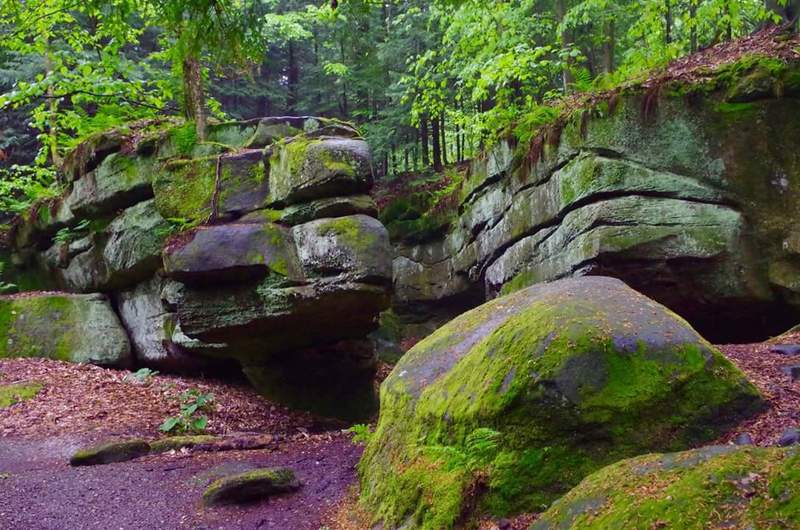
[(710, 487), (511, 404)]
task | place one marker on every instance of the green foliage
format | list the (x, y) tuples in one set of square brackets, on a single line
[(361, 433), (69, 234), (22, 186), (190, 419), (6, 287), (142, 376)]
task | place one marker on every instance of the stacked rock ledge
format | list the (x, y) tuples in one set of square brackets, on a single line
[(257, 246)]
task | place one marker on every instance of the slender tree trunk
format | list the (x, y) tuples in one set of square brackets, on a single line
[(667, 21), (52, 104), (293, 79), (423, 137), (693, 22), (436, 142), (566, 41), (444, 141), (608, 47), (194, 95)]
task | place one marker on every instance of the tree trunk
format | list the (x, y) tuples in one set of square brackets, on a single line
[(667, 22), (444, 142), (566, 40), (608, 47), (423, 139), (194, 98), (789, 13), (436, 142), (52, 104), (292, 79)]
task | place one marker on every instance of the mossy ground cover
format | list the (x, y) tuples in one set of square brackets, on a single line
[(16, 393)]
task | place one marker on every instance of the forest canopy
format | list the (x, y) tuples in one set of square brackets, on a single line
[(428, 82)]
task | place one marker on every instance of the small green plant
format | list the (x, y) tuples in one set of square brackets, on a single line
[(190, 418), (142, 376), (70, 234), (361, 433), (476, 455), (175, 225), (6, 287)]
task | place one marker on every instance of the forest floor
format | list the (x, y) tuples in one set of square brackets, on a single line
[(81, 405)]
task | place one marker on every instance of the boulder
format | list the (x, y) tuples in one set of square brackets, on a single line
[(67, 327), (303, 169), (231, 252), (151, 326), (120, 181), (243, 185), (524, 396), (251, 486), (710, 487), (693, 205), (133, 250), (355, 246)]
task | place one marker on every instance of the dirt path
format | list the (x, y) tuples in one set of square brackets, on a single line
[(42, 492)]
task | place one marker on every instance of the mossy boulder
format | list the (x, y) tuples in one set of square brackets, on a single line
[(304, 169), (67, 327), (109, 453), (231, 252), (511, 404), (710, 487), (251, 486), (329, 207), (356, 246), (243, 185), (120, 181)]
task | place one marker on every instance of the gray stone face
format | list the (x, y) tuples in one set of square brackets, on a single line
[(231, 252), (691, 205), (135, 240), (151, 327)]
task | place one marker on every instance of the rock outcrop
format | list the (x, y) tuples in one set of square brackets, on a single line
[(688, 193), (711, 487), (255, 247), (66, 327), (514, 402)]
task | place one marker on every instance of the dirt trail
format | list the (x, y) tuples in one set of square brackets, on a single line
[(42, 492)]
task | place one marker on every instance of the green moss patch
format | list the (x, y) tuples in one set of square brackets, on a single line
[(712, 487), (17, 393)]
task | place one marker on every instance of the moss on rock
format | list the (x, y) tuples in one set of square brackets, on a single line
[(109, 453), (711, 487), (251, 486), (572, 376)]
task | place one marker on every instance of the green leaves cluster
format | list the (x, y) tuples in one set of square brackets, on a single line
[(190, 419)]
